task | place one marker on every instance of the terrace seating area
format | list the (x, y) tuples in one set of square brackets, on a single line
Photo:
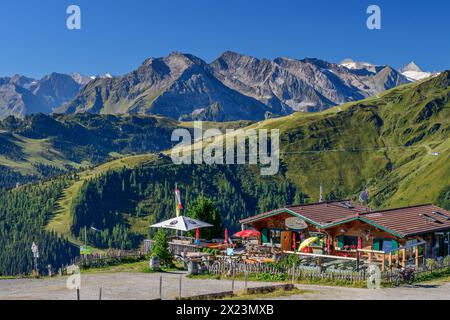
[(337, 235)]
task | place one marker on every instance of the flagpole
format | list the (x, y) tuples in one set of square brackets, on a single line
[(176, 200), (176, 204)]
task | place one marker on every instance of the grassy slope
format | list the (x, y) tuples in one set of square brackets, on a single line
[(414, 174), (38, 151), (42, 151), (62, 220)]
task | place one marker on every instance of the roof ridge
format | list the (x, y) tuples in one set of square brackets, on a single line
[(316, 203), (399, 208)]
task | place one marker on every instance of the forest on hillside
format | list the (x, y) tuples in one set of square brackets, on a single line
[(108, 201), (24, 213)]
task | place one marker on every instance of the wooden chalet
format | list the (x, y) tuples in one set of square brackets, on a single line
[(345, 228)]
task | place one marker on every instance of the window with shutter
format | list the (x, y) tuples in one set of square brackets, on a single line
[(377, 244), (340, 241), (265, 236), (394, 244)]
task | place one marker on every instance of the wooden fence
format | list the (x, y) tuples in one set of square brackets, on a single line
[(304, 272), (175, 248), (105, 259), (299, 272)]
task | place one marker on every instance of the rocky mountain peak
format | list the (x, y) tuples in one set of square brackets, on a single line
[(412, 66)]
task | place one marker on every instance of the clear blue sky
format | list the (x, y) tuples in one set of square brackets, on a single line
[(117, 36)]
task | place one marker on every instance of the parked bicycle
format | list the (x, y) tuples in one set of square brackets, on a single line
[(404, 275)]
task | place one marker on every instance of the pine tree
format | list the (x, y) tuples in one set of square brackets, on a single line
[(203, 209), (161, 249)]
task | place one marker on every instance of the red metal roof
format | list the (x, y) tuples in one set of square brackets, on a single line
[(319, 213), (410, 221), (402, 222), (330, 212)]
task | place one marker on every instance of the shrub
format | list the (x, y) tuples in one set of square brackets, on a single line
[(431, 264), (288, 261), (447, 261), (212, 251)]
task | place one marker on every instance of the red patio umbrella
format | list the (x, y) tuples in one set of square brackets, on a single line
[(294, 241), (247, 234), (226, 236), (197, 234)]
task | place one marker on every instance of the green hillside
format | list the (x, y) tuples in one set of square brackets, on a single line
[(42, 146), (397, 144)]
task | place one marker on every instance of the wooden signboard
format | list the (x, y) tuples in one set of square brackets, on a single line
[(295, 223)]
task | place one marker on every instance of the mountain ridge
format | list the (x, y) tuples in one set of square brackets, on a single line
[(20, 95), (232, 87)]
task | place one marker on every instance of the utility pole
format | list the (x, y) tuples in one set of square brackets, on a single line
[(321, 198)]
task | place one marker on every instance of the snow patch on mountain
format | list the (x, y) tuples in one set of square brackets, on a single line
[(413, 72), (357, 65)]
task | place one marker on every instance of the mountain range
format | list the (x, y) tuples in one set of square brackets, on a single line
[(411, 71), (232, 87), (185, 87), (20, 95)]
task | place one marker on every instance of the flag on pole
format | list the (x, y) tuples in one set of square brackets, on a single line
[(197, 237), (179, 206)]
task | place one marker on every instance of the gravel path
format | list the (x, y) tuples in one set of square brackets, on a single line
[(145, 286), (115, 286), (416, 292)]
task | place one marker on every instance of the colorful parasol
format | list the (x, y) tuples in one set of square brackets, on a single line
[(247, 234), (308, 242), (226, 236)]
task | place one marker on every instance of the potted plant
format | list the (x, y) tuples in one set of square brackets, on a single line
[(155, 262)]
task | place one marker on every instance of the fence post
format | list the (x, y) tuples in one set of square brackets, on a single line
[(246, 279), (232, 282), (232, 276), (179, 293), (160, 287), (100, 294), (357, 260), (78, 294)]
